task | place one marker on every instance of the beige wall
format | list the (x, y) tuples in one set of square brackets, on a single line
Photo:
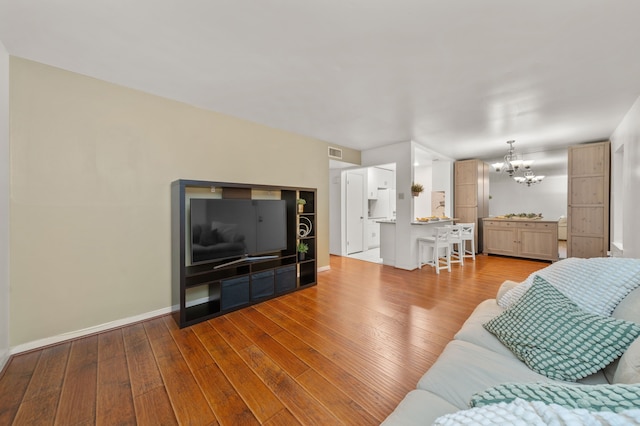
[(4, 205), (91, 168)]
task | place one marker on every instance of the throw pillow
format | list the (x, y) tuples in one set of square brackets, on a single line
[(613, 398), (557, 339), (597, 285), (536, 413)]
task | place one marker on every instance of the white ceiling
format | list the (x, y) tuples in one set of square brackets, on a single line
[(457, 76)]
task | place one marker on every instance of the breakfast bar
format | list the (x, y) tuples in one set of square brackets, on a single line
[(390, 241)]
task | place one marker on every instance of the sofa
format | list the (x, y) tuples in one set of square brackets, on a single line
[(480, 379)]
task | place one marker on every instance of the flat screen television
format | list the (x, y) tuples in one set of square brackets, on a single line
[(224, 229)]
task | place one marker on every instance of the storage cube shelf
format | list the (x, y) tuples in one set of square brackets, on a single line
[(208, 289)]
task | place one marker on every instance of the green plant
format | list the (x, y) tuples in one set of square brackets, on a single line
[(417, 188), (301, 201), (302, 247)]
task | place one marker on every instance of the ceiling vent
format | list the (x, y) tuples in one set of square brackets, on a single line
[(335, 153)]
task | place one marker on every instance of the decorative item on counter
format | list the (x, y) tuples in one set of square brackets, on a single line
[(304, 227), (303, 248), (416, 189), (301, 202), (533, 216)]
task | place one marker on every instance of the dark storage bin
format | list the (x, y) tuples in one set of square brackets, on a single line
[(262, 284), (235, 292), (285, 278)]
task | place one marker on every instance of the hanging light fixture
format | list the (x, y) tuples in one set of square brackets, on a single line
[(513, 165)]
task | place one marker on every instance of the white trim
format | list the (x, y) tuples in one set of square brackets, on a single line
[(87, 331), (324, 268), (4, 357)]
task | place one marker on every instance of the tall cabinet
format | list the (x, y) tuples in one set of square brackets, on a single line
[(471, 194), (588, 200), (202, 290)]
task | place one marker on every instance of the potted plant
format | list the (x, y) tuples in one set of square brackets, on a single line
[(416, 189), (301, 202), (303, 248)]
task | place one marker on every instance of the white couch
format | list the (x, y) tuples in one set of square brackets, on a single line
[(476, 360)]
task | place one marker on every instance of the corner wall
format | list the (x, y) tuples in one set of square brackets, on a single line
[(627, 137), (91, 168), (4, 206)]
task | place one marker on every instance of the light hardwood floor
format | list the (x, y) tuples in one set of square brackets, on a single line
[(343, 352)]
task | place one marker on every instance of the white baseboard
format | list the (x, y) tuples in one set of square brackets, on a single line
[(324, 268), (617, 250), (87, 331), (4, 357)]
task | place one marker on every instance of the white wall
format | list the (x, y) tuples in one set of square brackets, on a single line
[(548, 197), (4, 205), (423, 174), (627, 136), (336, 203)]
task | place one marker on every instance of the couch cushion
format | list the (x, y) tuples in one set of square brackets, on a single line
[(464, 369), (419, 408), (520, 412), (628, 370), (613, 398), (505, 287), (597, 285), (554, 337), (472, 330), (628, 309)]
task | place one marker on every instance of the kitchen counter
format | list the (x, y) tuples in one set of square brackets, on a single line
[(389, 240)]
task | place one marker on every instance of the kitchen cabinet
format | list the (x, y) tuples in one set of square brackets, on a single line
[(588, 200), (373, 233), (531, 239), (378, 178), (471, 194)]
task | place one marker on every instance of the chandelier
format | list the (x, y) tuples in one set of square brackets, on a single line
[(514, 166)]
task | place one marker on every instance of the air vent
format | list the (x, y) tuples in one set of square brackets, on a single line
[(335, 153)]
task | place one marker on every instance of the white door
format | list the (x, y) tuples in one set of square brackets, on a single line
[(355, 212)]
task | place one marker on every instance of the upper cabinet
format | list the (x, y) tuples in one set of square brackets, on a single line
[(588, 200), (378, 178)]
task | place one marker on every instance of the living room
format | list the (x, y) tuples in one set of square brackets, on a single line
[(85, 206)]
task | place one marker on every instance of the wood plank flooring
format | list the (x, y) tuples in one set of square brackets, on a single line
[(343, 352)]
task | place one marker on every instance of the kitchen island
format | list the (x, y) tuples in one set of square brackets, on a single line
[(390, 241)]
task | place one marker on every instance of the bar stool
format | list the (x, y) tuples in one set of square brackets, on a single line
[(456, 243), (439, 242), (468, 234)]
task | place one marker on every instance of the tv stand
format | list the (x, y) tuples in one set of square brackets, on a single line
[(206, 290), (245, 258)]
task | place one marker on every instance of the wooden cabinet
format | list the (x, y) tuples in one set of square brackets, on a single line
[(588, 200), (471, 194), (532, 239), (202, 289)]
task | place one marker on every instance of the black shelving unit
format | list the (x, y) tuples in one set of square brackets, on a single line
[(206, 290)]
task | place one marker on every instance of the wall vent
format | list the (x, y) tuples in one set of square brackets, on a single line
[(335, 153)]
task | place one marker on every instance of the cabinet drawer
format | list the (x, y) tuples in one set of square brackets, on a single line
[(285, 279), (235, 292), (262, 284), (499, 223), (533, 225)]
